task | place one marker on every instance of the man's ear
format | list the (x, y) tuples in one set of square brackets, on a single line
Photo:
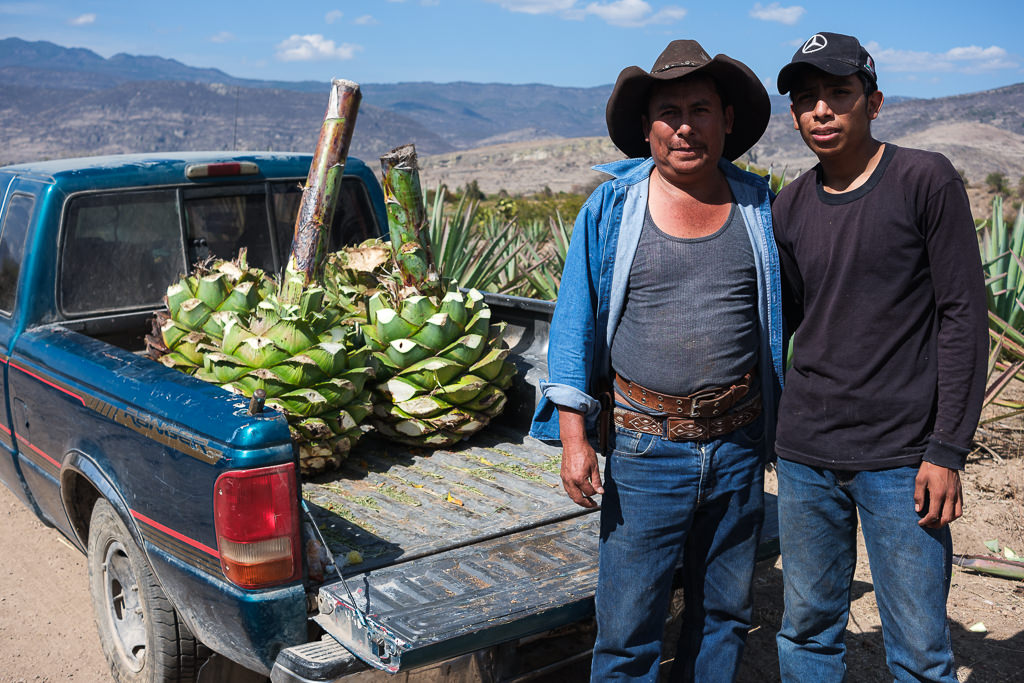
[(875, 100), (796, 121), (646, 127), (730, 118)]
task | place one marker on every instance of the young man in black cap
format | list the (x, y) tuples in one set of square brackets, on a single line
[(883, 288), (670, 294)]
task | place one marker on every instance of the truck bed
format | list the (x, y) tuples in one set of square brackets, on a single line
[(391, 503)]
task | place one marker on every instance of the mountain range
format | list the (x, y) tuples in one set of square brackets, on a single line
[(59, 101)]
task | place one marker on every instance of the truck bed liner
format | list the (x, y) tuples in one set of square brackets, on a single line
[(392, 503)]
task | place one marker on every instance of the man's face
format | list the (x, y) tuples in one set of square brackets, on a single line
[(686, 127), (832, 113)]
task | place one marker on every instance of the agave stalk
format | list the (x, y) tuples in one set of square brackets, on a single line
[(407, 220), (319, 198), (990, 565)]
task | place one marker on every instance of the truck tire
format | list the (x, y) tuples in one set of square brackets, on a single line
[(142, 636)]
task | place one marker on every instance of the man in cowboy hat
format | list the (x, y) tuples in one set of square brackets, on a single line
[(669, 308), (885, 291)]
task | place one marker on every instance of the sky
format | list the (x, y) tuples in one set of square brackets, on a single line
[(921, 48)]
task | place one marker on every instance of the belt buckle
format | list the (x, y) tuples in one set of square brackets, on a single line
[(696, 398)]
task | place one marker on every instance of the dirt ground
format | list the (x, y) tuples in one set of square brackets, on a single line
[(47, 631)]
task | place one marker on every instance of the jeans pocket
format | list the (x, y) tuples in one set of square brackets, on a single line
[(749, 436), (631, 444)]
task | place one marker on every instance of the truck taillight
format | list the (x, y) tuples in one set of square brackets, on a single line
[(257, 521)]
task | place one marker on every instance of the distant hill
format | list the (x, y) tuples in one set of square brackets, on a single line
[(980, 132), (59, 101)]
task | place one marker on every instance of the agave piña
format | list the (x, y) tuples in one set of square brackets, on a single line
[(442, 366), (283, 339), (312, 367)]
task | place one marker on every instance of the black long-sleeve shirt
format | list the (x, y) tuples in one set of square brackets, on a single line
[(883, 286)]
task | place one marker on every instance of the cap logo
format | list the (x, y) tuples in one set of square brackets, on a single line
[(814, 43)]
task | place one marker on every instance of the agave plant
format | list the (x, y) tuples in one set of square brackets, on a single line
[(311, 366), (231, 325), (1005, 363), (546, 275), (478, 253), (443, 367), (1002, 248)]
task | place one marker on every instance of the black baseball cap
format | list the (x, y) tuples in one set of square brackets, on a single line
[(833, 53)]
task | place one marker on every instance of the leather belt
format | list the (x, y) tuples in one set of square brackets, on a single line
[(689, 429), (707, 403)]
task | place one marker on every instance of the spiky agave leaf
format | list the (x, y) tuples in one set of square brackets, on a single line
[(199, 305), (313, 369), (443, 377)]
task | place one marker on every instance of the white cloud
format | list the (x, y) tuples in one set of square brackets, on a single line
[(627, 13), (313, 47), (365, 20), (333, 16), (83, 20), (776, 12), (633, 13), (222, 37), (970, 59)]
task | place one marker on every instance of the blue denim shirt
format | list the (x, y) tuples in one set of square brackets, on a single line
[(593, 292)]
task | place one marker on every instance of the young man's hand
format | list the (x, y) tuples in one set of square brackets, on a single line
[(938, 497), (581, 476)]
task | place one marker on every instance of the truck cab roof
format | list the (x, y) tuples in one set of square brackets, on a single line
[(162, 168)]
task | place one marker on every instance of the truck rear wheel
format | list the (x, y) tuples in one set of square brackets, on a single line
[(141, 634)]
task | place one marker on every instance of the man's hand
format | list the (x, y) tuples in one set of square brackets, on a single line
[(938, 497), (581, 477)]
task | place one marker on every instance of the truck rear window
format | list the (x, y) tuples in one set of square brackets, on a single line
[(122, 249), (354, 219)]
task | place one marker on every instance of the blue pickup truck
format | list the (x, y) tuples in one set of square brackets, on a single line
[(467, 562)]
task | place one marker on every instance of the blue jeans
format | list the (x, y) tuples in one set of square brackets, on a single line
[(910, 569), (702, 502)]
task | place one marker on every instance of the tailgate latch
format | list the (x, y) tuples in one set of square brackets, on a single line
[(358, 631)]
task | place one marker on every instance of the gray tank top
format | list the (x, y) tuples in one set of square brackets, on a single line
[(690, 318)]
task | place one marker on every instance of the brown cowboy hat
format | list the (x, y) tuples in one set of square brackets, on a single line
[(737, 83)]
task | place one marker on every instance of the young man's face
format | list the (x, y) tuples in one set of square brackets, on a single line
[(832, 113), (686, 127)]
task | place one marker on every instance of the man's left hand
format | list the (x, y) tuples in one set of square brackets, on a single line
[(938, 497)]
